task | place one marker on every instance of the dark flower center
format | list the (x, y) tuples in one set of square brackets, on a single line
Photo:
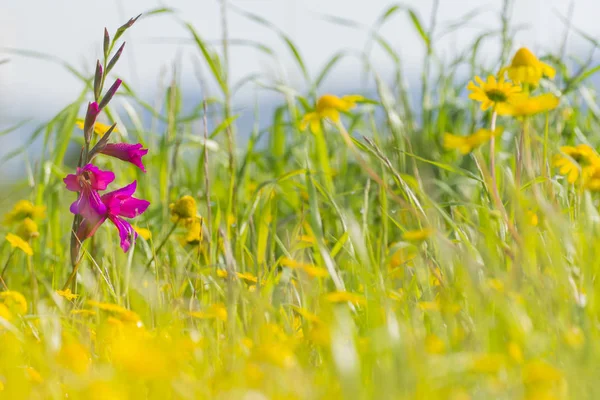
[(495, 95)]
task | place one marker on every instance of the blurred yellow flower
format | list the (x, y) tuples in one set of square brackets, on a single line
[(434, 345), (488, 363), (121, 313), (522, 105), (193, 235), (581, 159), (515, 352), (17, 243), (184, 208), (328, 107), (74, 356), (538, 371), (466, 144), (310, 269), (417, 236), (574, 337), (145, 355), (5, 312), (532, 218), (214, 311), (33, 375), (24, 209), (344, 297), (143, 232), (99, 127), (27, 229), (527, 68), (492, 92), (67, 294)]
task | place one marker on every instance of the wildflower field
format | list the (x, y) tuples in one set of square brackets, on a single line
[(375, 245)]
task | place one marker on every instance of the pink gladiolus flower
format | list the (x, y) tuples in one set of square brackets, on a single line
[(87, 181), (118, 204), (132, 153)]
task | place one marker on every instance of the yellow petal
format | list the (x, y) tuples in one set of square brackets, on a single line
[(17, 243)]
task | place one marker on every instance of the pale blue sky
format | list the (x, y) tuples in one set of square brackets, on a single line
[(72, 30)]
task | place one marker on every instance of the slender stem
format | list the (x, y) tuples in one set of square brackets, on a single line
[(164, 241), (206, 175), (6, 265), (73, 275), (495, 190)]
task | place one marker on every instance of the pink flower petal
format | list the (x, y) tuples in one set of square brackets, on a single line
[(132, 153), (72, 183), (126, 231), (132, 207), (99, 179), (89, 204)]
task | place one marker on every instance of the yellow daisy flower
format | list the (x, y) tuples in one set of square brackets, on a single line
[(526, 68), (24, 209), (328, 107), (522, 105), (17, 243), (67, 294), (573, 161), (466, 144), (184, 208), (492, 92), (99, 127), (591, 175)]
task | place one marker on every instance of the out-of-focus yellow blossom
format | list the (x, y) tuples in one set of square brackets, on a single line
[(5, 312), (27, 229), (515, 352), (573, 161), (466, 144), (193, 235), (67, 294), (24, 209), (120, 312), (532, 218), (418, 235), (328, 107), (310, 269), (184, 208), (434, 345), (74, 356), (143, 232), (278, 354), (344, 297), (523, 105), (492, 92), (526, 68), (245, 276), (83, 312), (33, 375), (99, 127), (574, 337), (538, 371), (401, 257), (17, 243), (15, 301), (145, 355), (488, 363), (214, 311)]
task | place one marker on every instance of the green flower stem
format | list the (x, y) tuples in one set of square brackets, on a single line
[(162, 244)]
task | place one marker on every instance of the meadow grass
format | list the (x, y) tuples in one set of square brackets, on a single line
[(356, 257)]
